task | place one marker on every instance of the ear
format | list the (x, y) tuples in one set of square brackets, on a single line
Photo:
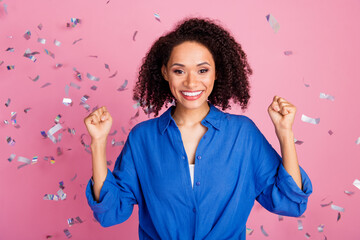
[(164, 73)]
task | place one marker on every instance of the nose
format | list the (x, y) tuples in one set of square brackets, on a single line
[(190, 80)]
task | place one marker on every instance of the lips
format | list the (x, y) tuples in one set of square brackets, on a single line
[(191, 95)]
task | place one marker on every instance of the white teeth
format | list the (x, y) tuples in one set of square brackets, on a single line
[(191, 94)]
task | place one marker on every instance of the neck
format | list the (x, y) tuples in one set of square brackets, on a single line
[(190, 117)]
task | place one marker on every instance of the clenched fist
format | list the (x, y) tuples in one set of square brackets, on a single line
[(98, 124)]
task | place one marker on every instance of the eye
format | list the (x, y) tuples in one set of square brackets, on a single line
[(204, 70), (178, 71)]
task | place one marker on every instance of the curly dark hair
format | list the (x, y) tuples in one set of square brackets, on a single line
[(231, 67)]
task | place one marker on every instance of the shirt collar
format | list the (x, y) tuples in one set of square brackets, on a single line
[(213, 117)]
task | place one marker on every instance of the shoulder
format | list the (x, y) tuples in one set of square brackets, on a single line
[(238, 120), (147, 127)]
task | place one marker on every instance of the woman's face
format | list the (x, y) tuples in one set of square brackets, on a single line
[(190, 72)]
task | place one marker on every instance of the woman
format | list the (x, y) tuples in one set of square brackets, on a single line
[(196, 66)]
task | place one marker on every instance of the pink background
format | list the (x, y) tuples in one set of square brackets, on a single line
[(323, 35)]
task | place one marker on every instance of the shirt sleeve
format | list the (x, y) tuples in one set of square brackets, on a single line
[(118, 193), (276, 190)]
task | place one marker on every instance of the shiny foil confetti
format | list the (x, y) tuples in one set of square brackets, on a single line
[(58, 65), (339, 216), (49, 53), (113, 133), (5, 8), (330, 132), (57, 43), (326, 204), (41, 40), (67, 101), (114, 143), (52, 131), (59, 151), (337, 208), (34, 160), (78, 219), (61, 194), (134, 35), (40, 26), (93, 87), (77, 41), (73, 178), (249, 231), (35, 79), (273, 23), (94, 56), (109, 162), (349, 193), (45, 85), (114, 74), (10, 49), (43, 133), (107, 66), (71, 131), (51, 197), (67, 233), (298, 142), (91, 77), (307, 235), (288, 53), (57, 118), (300, 226), (356, 183), (10, 67), (10, 141), (8, 102), (74, 85), (157, 17), (27, 35), (326, 96), (357, 141), (263, 231), (321, 228), (280, 218), (70, 221), (122, 88), (309, 119), (67, 90), (73, 22), (24, 160), (12, 156), (136, 115)]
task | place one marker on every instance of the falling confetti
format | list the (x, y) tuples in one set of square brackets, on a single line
[(339, 216), (263, 231), (337, 208), (288, 53), (93, 87), (107, 66), (67, 233), (41, 40), (157, 17), (45, 85), (12, 156), (348, 193), (114, 74), (24, 160), (67, 101), (273, 23), (326, 96), (10, 141), (309, 119), (357, 183), (321, 228), (300, 226), (134, 35), (57, 43), (49, 53), (74, 22), (27, 35), (123, 87), (40, 26), (307, 235), (10, 67), (35, 79), (330, 132), (249, 231), (77, 41), (8, 102), (91, 77), (357, 141)]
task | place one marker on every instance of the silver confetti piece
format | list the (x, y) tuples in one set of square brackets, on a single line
[(134, 35), (280, 218), (136, 115), (113, 133), (41, 40), (309, 119), (348, 192), (326, 96), (93, 87), (77, 41), (107, 66), (58, 65), (78, 219), (307, 235), (249, 231), (45, 85), (12, 156), (114, 143), (273, 23), (287, 53), (57, 43), (27, 35), (263, 231), (300, 226), (8, 102), (54, 129), (356, 183), (61, 194), (67, 233), (122, 88), (113, 74), (299, 142), (321, 228), (91, 77), (49, 53), (66, 90), (326, 204), (157, 17), (330, 132), (40, 26), (337, 208), (73, 178), (35, 79), (67, 101), (357, 141)]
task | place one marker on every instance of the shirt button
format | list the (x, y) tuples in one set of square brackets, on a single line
[(199, 157), (198, 183), (194, 210)]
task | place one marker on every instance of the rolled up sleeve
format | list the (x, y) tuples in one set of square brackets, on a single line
[(119, 192), (276, 189)]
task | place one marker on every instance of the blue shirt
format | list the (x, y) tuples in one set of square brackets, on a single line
[(234, 166)]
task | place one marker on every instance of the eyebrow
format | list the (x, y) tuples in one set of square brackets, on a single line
[(181, 65)]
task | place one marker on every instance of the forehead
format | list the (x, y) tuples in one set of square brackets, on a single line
[(190, 52)]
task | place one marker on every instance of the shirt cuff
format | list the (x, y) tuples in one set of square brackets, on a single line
[(288, 186), (107, 194)]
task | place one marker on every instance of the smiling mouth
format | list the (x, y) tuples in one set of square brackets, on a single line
[(191, 94)]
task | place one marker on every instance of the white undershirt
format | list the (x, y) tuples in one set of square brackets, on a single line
[(191, 167)]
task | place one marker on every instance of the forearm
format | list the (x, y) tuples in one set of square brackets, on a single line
[(289, 157), (99, 167)]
